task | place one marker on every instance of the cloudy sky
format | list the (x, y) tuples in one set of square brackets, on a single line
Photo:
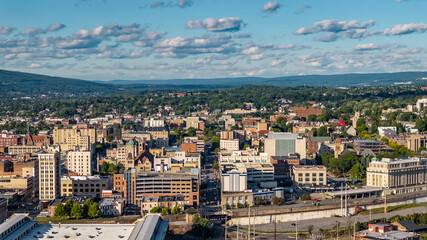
[(149, 39)]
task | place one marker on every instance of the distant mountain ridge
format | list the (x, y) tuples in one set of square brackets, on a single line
[(337, 80), (19, 84)]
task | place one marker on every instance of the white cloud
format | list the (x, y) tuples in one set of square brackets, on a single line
[(36, 31), (258, 56), (403, 29), (250, 50), (367, 47), (185, 3), (332, 25), (303, 8), (70, 43), (4, 30), (179, 47), (271, 7), (280, 61), (227, 24), (180, 3)]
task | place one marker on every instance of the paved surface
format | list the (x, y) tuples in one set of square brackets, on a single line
[(210, 197), (324, 223), (86, 231)]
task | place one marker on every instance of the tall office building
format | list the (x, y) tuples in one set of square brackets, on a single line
[(49, 176)]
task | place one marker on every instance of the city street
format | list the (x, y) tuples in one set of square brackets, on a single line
[(210, 197)]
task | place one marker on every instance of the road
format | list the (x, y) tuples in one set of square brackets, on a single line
[(324, 223), (211, 195)]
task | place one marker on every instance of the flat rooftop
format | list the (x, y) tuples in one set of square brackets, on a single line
[(400, 160), (387, 235), (11, 221), (86, 231), (282, 136)]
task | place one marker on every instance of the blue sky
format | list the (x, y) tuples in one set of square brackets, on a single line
[(149, 39)]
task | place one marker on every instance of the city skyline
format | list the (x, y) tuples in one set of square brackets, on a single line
[(106, 40)]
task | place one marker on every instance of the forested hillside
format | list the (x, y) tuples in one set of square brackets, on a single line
[(19, 84)]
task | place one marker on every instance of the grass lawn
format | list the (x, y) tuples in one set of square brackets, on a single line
[(259, 231), (393, 208), (44, 220)]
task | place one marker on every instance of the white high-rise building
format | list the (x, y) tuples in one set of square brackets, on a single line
[(49, 176), (234, 181), (80, 162)]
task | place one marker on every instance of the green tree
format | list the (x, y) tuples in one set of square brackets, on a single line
[(68, 206), (60, 210), (201, 226), (357, 171), (258, 201), (421, 125), (191, 132), (104, 168), (215, 166), (120, 168), (314, 130), (306, 197), (235, 127), (246, 145), (176, 210), (156, 210), (86, 206), (110, 137), (310, 229), (326, 157), (112, 169), (323, 131), (277, 200), (166, 211), (215, 142), (94, 211), (76, 211), (311, 118)]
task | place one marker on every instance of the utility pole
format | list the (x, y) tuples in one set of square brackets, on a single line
[(346, 200), (225, 227), (249, 225), (296, 235), (385, 203), (237, 231), (341, 201), (338, 237), (275, 221), (254, 224), (354, 229)]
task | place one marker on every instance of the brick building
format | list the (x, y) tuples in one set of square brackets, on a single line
[(7, 140), (304, 112)]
